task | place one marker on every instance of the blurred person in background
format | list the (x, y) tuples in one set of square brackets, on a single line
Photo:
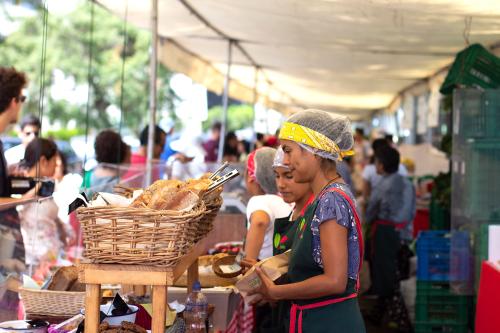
[(361, 147), (371, 177), (44, 234), (29, 129), (259, 140), (168, 152), (231, 148), (211, 146), (139, 159), (390, 211), (12, 255), (111, 153)]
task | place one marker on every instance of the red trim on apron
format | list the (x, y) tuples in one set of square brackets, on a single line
[(309, 201), (300, 308)]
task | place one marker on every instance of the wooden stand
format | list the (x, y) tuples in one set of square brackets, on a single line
[(93, 275)]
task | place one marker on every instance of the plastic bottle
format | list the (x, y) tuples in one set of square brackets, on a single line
[(196, 310)]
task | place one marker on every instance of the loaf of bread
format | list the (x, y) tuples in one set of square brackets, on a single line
[(64, 279)]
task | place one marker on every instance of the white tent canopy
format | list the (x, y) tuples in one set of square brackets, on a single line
[(350, 56)]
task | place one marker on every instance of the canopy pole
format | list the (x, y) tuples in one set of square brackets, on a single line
[(225, 102), (255, 97), (152, 89)]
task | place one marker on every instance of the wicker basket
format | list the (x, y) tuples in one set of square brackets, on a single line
[(115, 235), (206, 223), (52, 303)]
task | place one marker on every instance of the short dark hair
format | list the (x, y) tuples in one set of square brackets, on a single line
[(389, 158), (11, 84), (110, 148), (378, 143), (37, 148), (217, 126), (360, 131), (30, 120), (158, 136)]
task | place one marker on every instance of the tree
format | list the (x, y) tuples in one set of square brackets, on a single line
[(68, 50), (238, 117)]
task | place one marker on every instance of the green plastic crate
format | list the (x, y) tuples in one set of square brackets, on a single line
[(482, 180), (450, 309), (432, 327), (473, 67)]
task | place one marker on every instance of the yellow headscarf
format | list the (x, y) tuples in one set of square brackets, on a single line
[(311, 138)]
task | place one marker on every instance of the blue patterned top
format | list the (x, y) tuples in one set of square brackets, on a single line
[(333, 206)]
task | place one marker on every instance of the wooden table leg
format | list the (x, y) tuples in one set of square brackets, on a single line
[(159, 309), (192, 275), (92, 303)]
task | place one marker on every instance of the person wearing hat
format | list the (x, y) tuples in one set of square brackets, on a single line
[(327, 248), (264, 207), (300, 195)]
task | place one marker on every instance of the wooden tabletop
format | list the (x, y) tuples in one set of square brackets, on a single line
[(7, 203)]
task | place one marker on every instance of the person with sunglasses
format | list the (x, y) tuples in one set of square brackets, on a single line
[(29, 130), (12, 83)]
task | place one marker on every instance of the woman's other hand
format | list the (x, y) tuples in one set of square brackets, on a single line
[(267, 287), (246, 264)]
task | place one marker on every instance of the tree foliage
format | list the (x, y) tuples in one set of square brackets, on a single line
[(238, 117), (69, 45)]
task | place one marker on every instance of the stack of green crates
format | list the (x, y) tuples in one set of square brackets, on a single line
[(475, 66), (437, 309)]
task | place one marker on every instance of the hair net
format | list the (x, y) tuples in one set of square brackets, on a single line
[(335, 127), (264, 173), (278, 159)]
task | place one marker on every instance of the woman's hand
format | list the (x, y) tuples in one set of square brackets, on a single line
[(267, 287), (246, 264)]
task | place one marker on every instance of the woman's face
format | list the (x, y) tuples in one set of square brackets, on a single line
[(303, 164), (48, 166), (290, 190)]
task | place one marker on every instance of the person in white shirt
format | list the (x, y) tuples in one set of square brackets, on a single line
[(30, 129), (265, 205)]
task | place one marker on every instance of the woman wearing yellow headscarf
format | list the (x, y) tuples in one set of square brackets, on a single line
[(327, 247)]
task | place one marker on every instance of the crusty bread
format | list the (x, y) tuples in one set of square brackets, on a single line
[(63, 279), (144, 200)]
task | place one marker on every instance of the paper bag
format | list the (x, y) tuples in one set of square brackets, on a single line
[(274, 267)]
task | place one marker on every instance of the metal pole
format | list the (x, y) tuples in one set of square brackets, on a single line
[(152, 89), (225, 102), (255, 96)]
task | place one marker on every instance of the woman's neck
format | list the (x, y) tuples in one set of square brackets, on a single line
[(322, 179)]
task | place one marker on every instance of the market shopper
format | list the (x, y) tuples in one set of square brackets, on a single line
[(111, 153), (263, 208), (29, 129), (138, 159), (44, 234), (211, 146), (327, 248), (12, 83), (390, 211)]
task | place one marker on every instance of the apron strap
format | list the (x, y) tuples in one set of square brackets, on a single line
[(358, 229), (309, 201)]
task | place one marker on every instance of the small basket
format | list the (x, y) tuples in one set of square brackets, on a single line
[(229, 260), (52, 303), (126, 235)]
